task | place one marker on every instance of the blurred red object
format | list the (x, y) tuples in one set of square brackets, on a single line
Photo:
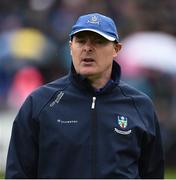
[(25, 81)]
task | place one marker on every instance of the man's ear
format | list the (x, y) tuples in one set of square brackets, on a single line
[(118, 47)]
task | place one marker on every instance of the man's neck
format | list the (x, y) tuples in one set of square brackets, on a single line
[(99, 82)]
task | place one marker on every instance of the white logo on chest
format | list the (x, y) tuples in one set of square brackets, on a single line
[(122, 132), (67, 122)]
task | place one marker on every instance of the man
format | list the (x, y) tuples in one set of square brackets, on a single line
[(88, 124)]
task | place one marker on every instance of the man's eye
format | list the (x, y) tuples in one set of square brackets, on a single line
[(80, 41), (100, 41)]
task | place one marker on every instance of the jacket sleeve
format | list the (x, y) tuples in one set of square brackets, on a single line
[(151, 164), (23, 148)]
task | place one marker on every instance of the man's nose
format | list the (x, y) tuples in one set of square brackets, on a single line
[(88, 46)]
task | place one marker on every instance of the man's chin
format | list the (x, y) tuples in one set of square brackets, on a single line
[(88, 74)]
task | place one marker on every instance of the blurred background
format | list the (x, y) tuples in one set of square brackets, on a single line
[(34, 36)]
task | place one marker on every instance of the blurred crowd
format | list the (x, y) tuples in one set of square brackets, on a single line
[(34, 50)]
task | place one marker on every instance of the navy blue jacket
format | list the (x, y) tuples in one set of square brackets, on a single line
[(66, 129)]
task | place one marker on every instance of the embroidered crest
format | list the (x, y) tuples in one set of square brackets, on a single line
[(122, 121), (94, 20)]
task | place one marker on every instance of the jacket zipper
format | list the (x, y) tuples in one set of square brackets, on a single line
[(94, 138), (93, 103)]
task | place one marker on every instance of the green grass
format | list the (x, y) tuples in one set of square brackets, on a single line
[(1, 175), (169, 174)]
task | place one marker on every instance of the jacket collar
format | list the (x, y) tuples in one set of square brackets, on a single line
[(82, 83)]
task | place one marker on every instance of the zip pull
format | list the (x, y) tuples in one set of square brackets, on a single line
[(93, 103)]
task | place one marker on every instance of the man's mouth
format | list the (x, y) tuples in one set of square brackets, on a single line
[(88, 60)]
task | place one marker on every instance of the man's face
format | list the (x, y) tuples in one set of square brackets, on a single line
[(92, 54)]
